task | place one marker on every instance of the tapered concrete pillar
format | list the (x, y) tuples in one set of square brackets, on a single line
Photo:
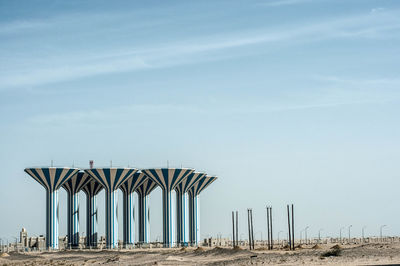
[(181, 204), (167, 179), (128, 188), (51, 178), (194, 207), (111, 179), (91, 189), (144, 191), (73, 186)]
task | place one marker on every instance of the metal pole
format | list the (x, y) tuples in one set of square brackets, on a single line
[(270, 223), (319, 234), (233, 229), (341, 228), (293, 226), (252, 231), (381, 230), (305, 234), (289, 238), (248, 226), (363, 233), (349, 233), (237, 228), (268, 241)]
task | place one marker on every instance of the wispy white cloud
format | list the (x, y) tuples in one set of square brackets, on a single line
[(70, 67), (274, 3), (335, 93)]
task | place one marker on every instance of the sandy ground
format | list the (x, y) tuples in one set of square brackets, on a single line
[(369, 254)]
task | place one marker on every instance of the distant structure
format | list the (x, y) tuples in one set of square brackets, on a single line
[(51, 178), (185, 182), (128, 187), (167, 179), (73, 186), (194, 207), (143, 192), (91, 189), (181, 195), (111, 179)]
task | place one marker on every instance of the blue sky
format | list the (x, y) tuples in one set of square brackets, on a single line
[(285, 100)]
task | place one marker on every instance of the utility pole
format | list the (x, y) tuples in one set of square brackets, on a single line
[(250, 227), (305, 233), (270, 224), (341, 228), (268, 240), (380, 231), (363, 237), (289, 238), (319, 234), (237, 228), (349, 232), (292, 227), (233, 229)]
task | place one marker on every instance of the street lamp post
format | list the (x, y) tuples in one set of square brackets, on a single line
[(305, 234), (349, 232), (278, 235), (301, 236), (363, 238), (380, 230), (319, 234), (341, 228)]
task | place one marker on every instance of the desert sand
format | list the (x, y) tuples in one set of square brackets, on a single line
[(368, 254)]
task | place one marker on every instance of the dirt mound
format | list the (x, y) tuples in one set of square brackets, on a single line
[(227, 251), (199, 250), (183, 249), (3, 255), (337, 246), (316, 246)]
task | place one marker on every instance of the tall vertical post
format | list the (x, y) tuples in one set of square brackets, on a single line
[(289, 235), (252, 231), (233, 229), (237, 228), (268, 227), (270, 223), (292, 227), (248, 225)]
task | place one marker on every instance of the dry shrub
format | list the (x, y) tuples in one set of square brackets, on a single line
[(337, 246), (332, 253)]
